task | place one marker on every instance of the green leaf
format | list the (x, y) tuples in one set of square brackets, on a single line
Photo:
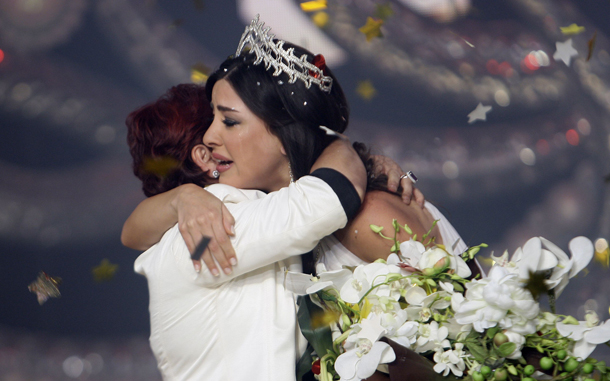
[(394, 248), (375, 228), (408, 229), (492, 332), (320, 338), (479, 353), (506, 349)]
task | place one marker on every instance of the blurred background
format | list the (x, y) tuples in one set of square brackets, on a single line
[(71, 71)]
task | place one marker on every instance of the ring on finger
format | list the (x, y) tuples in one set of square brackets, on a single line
[(411, 176)]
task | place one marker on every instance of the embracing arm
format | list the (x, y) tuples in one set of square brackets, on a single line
[(197, 213)]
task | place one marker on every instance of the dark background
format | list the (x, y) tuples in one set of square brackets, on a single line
[(73, 69)]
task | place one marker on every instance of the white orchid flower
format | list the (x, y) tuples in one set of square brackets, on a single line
[(422, 306), (412, 252), (586, 334), (431, 337), (450, 360), (582, 251), (304, 284), (363, 351), (365, 277)]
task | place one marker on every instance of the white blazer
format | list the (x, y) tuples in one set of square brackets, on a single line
[(242, 326)]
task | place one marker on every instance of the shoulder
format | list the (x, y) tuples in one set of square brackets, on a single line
[(232, 195), (381, 208)]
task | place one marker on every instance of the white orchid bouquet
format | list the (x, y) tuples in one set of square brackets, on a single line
[(483, 327)]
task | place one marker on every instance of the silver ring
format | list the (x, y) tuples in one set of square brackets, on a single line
[(215, 174), (411, 176)]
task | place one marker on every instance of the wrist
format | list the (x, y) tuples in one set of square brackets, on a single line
[(179, 194)]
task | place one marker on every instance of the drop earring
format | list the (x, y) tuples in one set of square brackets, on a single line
[(290, 174)]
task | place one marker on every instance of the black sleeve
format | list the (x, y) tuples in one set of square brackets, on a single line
[(343, 188)]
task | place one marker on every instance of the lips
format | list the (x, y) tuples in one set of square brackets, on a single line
[(223, 163)]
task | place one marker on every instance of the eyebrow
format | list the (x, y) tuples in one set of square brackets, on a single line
[(226, 109)]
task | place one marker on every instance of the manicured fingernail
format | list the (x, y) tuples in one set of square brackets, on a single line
[(215, 272), (228, 271), (197, 267), (233, 261), (233, 229)]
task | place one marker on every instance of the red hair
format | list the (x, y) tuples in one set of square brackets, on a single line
[(162, 134)]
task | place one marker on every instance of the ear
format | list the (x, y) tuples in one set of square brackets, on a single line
[(283, 150), (201, 157)]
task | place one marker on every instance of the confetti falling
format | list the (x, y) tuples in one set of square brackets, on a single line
[(463, 39), (565, 51), (603, 258), (366, 90), (591, 45), (312, 6), (572, 29), (536, 284), (160, 166), (45, 287), (199, 73), (104, 271), (320, 19), (372, 28), (479, 113)]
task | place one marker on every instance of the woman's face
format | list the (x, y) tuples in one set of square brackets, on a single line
[(248, 155)]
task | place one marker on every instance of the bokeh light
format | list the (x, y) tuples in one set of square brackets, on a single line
[(1, 55), (527, 156), (572, 137)]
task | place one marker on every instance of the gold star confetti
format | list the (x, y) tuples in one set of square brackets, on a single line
[(160, 166), (603, 257), (104, 271), (45, 287), (366, 90), (383, 11), (535, 284), (320, 19), (591, 45), (312, 6), (572, 29), (199, 73), (372, 28), (323, 318)]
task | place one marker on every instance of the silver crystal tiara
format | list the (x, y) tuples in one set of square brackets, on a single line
[(274, 55)]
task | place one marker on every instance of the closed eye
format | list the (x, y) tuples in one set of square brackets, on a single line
[(229, 122)]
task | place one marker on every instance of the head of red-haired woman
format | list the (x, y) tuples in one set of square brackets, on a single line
[(161, 135)]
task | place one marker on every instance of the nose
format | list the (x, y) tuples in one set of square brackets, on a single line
[(211, 138)]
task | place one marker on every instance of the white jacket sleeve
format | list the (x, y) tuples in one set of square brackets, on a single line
[(279, 225)]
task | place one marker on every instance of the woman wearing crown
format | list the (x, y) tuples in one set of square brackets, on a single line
[(268, 108)]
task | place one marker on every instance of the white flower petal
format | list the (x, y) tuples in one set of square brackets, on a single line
[(347, 364), (415, 295), (582, 253), (599, 334), (530, 258), (547, 261), (582, 349), (297, 283), (380, 353), (317, 286), (560, 254), (573, 331)]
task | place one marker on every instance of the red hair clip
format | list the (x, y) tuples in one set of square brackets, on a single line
[(320, 63)]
